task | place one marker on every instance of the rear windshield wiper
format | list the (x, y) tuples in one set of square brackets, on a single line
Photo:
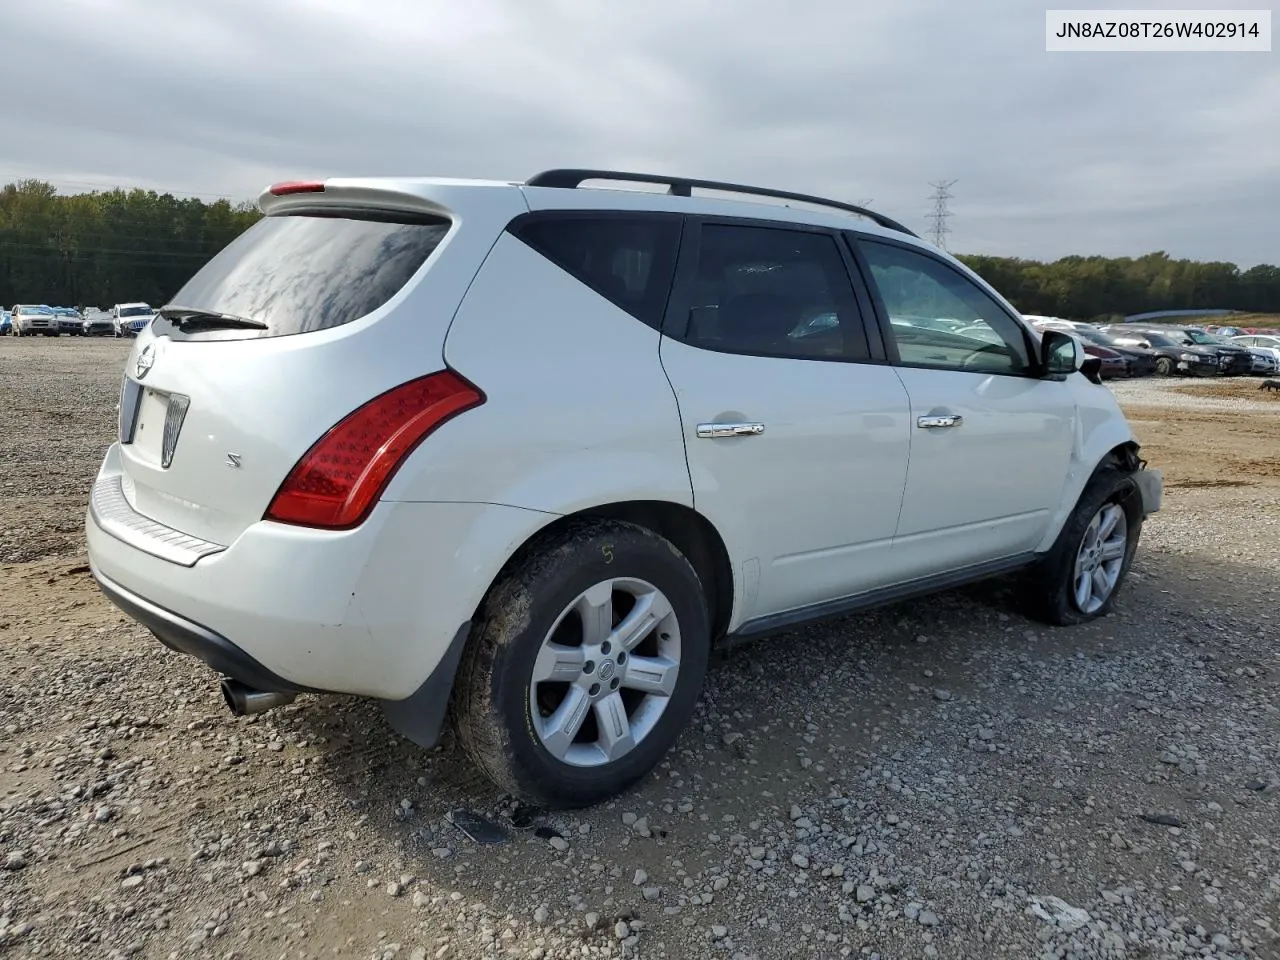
[(188, 318)]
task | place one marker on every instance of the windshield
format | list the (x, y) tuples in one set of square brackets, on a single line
[(43, 311), (135, 311), (1195, 336)]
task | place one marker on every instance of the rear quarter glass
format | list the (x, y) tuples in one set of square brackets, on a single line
[(302, 272)]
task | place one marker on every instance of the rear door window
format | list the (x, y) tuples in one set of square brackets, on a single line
[(627, 259), (772, 292), (304, 272)]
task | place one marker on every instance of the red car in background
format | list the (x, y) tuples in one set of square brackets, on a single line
[(1114, 364)]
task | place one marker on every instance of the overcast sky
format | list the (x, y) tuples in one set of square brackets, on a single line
[(1116, 154)]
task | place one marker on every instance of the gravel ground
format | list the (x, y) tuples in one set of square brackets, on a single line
[(940, 778)]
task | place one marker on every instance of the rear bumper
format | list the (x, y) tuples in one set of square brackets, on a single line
[(185, 636), (371, 612)]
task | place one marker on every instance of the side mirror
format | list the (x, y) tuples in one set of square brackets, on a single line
[(1061, 355)]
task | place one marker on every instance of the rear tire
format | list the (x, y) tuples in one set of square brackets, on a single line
[(584, 664), (1079, 578)]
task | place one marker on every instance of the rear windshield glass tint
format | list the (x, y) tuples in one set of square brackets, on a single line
[(299, 273)]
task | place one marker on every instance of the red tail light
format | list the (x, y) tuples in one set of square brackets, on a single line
[(297, 186), (336, 483)]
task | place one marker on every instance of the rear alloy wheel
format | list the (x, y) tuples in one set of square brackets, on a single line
[(584, 665), (1164, 366), (591, 667)]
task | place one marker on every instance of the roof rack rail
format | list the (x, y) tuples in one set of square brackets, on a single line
[(683, 187)]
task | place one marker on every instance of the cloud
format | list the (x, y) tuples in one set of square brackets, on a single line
[(1053, 153)]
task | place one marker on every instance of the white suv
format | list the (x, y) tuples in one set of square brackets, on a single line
[(529, 451)]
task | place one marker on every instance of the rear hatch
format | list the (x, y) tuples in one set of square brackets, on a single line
[(326, 302)]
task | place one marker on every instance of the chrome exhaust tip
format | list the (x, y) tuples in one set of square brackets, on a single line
[(242, 700)]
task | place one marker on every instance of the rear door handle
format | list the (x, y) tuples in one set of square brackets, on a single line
[(713, 430), (937, 422)]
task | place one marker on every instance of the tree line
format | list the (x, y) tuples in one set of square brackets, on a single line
[(1105, 288), (106, 247), (114, 246)]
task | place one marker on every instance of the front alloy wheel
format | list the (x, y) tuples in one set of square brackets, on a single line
[(1100, 559)]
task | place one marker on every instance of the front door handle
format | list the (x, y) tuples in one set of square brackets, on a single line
[(713, 430), (937, 422)]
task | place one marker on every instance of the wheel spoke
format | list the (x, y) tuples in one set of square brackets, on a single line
[(615, 728), (1084, 589), (1101, 587), (1113, 549), (557, 663), (561, 727), (1091, 534), (595, 607), (1109, 518), (649, 611), (656, 675)]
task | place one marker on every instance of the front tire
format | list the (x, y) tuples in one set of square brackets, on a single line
[(1079, 578), (1164, 366), (584, 664)]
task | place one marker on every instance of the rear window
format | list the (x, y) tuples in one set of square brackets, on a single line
[(628, 259), (304, 272)]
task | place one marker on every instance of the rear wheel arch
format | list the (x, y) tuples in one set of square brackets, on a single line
[(689, 531)]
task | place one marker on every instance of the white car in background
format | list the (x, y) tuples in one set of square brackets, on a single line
[(30, 319), (519, 456), (130, 319), (1263, 342)]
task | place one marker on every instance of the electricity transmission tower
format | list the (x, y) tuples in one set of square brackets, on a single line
[(862, 203), (941, 194)]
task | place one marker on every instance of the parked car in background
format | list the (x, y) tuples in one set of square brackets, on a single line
[(337, 469), (31, 319), (130, 319), (1142, 360), (1173, 354), (97, 323), (1233, 359), (69, 320), (1264, 364), (6, 323), (1113, 364), (1261, 341)]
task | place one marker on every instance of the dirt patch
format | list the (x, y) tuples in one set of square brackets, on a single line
[(1211, 447), (1231, 390), (1210, 483)]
